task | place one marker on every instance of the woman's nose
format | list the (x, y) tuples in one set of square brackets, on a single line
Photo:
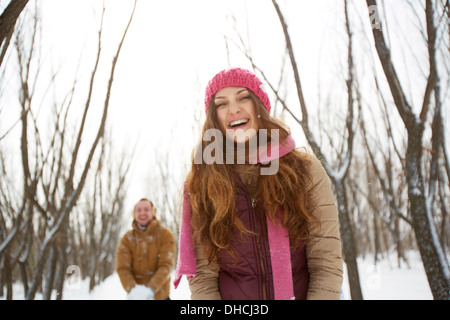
[(234, 107)]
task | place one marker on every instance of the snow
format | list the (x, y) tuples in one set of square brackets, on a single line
[(384, 282), (141, 292)]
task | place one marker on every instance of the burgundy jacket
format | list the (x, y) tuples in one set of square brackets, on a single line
[(250, 277)]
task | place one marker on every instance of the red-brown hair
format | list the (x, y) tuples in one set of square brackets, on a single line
[(211, 189)]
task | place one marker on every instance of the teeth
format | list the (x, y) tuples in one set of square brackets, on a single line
[(238, 122)]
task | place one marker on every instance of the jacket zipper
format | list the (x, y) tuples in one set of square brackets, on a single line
[(261, 259)]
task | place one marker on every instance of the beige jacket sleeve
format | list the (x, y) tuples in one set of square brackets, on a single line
[(323, 253), (205, 285)]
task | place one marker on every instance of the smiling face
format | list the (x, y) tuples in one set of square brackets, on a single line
[(236, 110), (143, 212)]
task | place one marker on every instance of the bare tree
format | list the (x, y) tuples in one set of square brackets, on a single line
[(433, 257), (54, 176), (103, 208), (382, 170), (8, 20), (338, 176)]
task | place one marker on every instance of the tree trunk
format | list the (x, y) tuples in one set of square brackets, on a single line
[(6, 275), (62, 267), (8, 20), (427, 238), (433, 258), (347, 237), (50, 273)]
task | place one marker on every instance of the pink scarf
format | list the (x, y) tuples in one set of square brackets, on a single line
[(280, 254)]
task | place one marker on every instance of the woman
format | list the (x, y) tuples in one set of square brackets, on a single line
[(145, 256), (250, 234)]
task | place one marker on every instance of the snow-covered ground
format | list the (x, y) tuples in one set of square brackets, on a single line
[(385, 282)]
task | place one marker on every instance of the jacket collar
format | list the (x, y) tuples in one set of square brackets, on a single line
[(149, 229)]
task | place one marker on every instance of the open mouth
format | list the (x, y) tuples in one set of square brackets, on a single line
[(238, 123)]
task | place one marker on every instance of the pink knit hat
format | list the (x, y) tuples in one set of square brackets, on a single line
[(236, 77)]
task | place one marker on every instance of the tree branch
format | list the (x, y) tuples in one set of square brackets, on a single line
[(384, 54)]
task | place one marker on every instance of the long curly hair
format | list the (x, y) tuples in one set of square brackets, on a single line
[(211, 189)]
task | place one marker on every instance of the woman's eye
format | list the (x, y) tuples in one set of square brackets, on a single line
[(246, 97)]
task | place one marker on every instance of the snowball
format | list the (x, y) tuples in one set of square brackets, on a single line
[(140, 292)]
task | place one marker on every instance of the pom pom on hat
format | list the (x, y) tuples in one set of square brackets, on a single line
[(236, 77)]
